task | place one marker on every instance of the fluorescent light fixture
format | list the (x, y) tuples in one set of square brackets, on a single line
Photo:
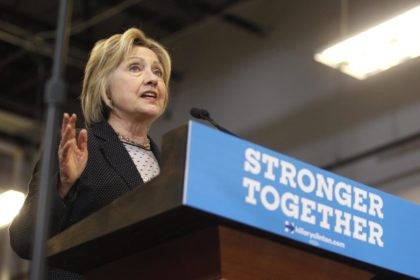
[(377, 49), (10, 204)]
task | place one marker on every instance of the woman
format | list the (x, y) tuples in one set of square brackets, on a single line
[(124, 92)]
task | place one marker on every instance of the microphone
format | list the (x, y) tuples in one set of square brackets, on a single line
[(203, 114)]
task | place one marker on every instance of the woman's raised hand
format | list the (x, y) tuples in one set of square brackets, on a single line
[(72, 154)]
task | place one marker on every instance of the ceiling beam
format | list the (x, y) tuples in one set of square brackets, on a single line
[(20, 37)]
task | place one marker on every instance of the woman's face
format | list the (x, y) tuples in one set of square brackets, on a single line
[(137, 89)]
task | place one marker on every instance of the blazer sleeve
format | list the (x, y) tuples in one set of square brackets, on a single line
[(22, 229)]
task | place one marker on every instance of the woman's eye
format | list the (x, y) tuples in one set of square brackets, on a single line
[(134, 68), (158, 72)]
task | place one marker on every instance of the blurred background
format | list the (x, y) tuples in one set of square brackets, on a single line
[(250, 63)]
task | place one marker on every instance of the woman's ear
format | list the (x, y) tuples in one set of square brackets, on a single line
[(106, 111), (106, 104)]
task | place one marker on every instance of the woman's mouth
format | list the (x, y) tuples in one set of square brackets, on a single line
[(151, 95)]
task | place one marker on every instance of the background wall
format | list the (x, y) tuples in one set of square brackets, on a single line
[(269, 90)]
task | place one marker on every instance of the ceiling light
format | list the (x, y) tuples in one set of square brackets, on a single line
[(377, 49), (10, 204)]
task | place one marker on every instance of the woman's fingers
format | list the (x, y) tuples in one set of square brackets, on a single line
[(64, 122), (68, 145), (68, 128), (67, 119), (66, 149), (82, 140), (64, 127), (72, 153), (65, 137), (73, 120)]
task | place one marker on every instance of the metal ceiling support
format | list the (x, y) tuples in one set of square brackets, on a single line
[(83, 25), (11, 58), (33, 43), (40, 47), (20, 37), (37, 43), (25, 85), (244, 24), (16, 153), (17, 125)]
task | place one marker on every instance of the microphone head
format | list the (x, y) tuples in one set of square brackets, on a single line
[(200, 113)]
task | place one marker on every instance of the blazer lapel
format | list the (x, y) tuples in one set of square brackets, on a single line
[(116, 154)]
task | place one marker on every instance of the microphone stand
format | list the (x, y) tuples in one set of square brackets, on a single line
[(203, 114), (55, 94), (221, 128)]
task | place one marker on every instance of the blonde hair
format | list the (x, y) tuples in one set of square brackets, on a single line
[(104, 58)]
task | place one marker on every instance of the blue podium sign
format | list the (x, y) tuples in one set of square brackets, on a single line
[(249, 184)]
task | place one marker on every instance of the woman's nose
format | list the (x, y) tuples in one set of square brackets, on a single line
[(150, 78)]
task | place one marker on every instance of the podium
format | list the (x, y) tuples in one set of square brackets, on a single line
[(165, 230)]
